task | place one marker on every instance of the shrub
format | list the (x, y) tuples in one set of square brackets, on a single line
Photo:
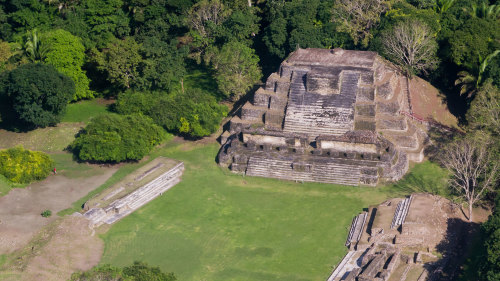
[(139, 271), (116, 138), (46, 213), (24, 166), (35, 95), (193, 113)]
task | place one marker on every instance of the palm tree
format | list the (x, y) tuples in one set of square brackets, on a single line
[(486, 11), (34, 49), (441, 6), (469, 82)]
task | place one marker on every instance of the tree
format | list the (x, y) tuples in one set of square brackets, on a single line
[(5, 54), (490, 269), (193, 113), (470, 81), (117, 138), (205, 13), (237, 69), (106, 20), (411, 46), (205, 20), (67, 55), (36, 95), (121, 61), (357, 17), (486, 11), (484, 112), (164, 64), (472, 170), (442, 6), (35, 50)]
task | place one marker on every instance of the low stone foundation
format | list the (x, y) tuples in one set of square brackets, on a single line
[(133, 192)]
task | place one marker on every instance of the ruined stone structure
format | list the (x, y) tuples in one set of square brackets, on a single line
[(134, 191), (333, 116), (400, 239)]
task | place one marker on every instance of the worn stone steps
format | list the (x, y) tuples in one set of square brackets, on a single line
[(327, 173), (401, 212)]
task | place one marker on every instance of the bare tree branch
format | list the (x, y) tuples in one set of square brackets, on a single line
[(411, 45), (472, 170)]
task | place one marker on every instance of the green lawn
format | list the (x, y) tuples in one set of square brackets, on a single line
[(83, 111), (215, 225)]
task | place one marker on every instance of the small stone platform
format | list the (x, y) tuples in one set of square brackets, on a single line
[(400, 239), (134, 191)]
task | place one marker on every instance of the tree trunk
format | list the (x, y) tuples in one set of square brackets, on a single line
[(249, 3), (470, 211), (182, 85)]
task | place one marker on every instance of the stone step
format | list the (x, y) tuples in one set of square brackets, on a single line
[(328, 173), (142, 201), (339, 270)]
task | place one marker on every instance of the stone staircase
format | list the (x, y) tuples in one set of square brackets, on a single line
[(401, 212), (316, 114), (357, 227), (332, 172)]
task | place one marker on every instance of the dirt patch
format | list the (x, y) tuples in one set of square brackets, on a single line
[(20, 210), (66, 246), (428, 103)]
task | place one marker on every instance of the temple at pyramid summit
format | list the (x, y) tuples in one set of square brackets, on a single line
[(332, 116)]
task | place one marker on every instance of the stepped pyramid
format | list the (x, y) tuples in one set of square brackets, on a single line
[(332, 116)]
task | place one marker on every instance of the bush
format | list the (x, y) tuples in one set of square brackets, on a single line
[(46, 213), (116, 138), (24, 166), (139, 271), (35, 95), (193, 113)]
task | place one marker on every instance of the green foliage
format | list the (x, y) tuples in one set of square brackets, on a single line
[(24, 166), (490, 270), (471, 40), (358, 17), (304, 24), (120, 60), (46, 213), (35, 95), (139, 271), (193, 113), (67, 55), (164, 64), (34, 48), (236, 69), (442, 6), (116, 138), (142, 272), (106, 20), (5, 54)]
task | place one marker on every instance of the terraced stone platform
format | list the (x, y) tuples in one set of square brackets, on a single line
[(134, 191), (331, 116)]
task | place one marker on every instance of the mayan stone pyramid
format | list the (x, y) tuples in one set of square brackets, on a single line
[(332, 116)]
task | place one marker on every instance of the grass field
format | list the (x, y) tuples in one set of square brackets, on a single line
[(83, 111), (215, 225)]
